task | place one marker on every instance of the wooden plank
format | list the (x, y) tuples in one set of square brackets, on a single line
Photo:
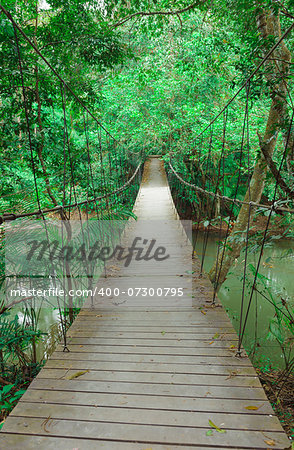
[(169, 435), (170, 359), (168, 336), (111, 327), (90, 312), (177, 317), (115, 322), (20, 441), (153, 343), (90, 381), (172, 403), (138, 367), (112, 381), (154, 350), (187, 318), (145, 416)]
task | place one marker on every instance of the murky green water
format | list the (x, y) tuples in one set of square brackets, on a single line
[(277, 266)]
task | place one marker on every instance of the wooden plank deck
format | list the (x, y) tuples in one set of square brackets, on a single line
[(158, 369)]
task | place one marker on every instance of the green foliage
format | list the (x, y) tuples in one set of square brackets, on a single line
[(15, 340), (9, 396)]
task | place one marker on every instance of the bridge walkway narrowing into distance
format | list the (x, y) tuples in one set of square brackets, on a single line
[(155, 371)]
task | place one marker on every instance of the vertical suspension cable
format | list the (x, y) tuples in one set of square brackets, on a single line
[(248, 221), (221, 162), (266, 228), (206, 233)]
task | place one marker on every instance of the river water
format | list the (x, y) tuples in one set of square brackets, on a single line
[(275, 283)]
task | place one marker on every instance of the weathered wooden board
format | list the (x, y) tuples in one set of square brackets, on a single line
[(185, 361), (148, 416), (140, 434)]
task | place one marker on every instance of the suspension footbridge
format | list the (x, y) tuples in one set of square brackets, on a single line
[(149, 373), (152, 360)]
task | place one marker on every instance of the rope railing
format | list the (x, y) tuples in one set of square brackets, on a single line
[(274, 206), (7, 217)]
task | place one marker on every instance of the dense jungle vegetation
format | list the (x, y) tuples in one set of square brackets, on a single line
[(154, 73)]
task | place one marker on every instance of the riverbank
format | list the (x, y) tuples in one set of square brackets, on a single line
[(278, 227), (280, 392), (259, 341)]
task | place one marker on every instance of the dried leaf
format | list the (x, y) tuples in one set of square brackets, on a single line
[(114, 267), (252, 408), (203, 312), (77, 374), (270, 442), (233, 373), (232, 348), (219, 430), (67, 370)]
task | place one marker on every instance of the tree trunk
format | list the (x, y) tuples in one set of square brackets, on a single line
[(268, 24)]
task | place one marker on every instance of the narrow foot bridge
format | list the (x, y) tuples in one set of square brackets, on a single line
[(148, 371)]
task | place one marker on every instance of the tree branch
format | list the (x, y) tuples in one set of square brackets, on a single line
[(74, 40), (15, 302), (156, 13), (273, 168)]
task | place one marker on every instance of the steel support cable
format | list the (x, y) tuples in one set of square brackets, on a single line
[(112, 167), (69, 151), (68, 227), (274, 207), (40, 212), (265, 231), (104, 185), (247, 229), (221, 165), (11, 216), (90, 169), (231, 214), (68, 274), (66, 223), (198, 213), (15, 25), (27, 118), (274, 304), (266, 57), (206, 233)]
